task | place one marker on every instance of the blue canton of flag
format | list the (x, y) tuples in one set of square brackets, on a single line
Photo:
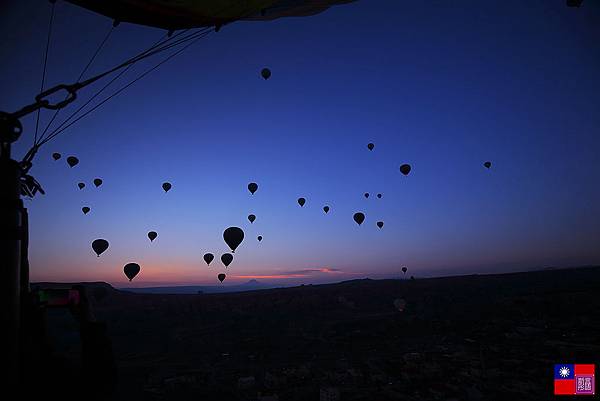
[(564, 371)]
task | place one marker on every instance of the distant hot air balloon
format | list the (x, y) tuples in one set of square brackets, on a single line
[(72, 161), (259, 238), (404, 270), (487, 164), (81, 185), (252, 187), (371, 146), (233, 237), (85, 210), (226, 259), (412, 277), (379, 196), (166, 186), (301, 201), (380, 224), (359, 218), (405, 169), (56, 156), (131, 270), (208, 257), (221, 277), (99, 245), (326, 209), (152, 235), (97, 182), (251, 218), (265, 73), (367, 195)]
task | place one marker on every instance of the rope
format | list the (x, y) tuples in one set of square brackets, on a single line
[(37, 119)]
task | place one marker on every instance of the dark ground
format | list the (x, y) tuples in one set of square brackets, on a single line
[(478, 337)]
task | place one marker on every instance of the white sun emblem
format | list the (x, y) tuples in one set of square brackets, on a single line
[(564, 371)]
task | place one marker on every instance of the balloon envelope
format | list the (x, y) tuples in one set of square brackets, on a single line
[(72, 161), (56, 156), (367, 195), (371, 146), (99, 245), (221, 277), (301, 201), (379, 196), (487, 164), (251, 218), (97, 182), (380, 224), (405, 169), (252, 187), (81, 185), (152, 235), (259, 238), (266, 73), (326, 209), (208, 257), (85, 210), (226, 259), (233, 237), (359, 218), (404, 270), (131, 270), (166, 186)]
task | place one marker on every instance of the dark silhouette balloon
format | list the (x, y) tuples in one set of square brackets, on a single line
[(99, 245), (380, 224), (221, 277), (404, 270), (367, 195), (379, 196), (226, 259), (301, 201), (487, 164), (371, 146), (56, 156), (259, 238), (359, 218), (85, 210), (131, 270), (252, 187), (97, 182), (208, 257), (326, 209), (72, 161), (405, 169), (233, 237), (152, 235), (81, 185), (266, 73), (166, 186), (574, 3), (251, 218)]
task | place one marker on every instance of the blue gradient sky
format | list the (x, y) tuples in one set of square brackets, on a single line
[(442, 85)]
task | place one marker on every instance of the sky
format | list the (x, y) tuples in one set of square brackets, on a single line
[(443, 86)]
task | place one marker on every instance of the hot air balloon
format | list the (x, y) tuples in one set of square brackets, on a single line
[(166, 186), (221, 277), (259, 238), (326, 209), (131, 270), (99, 245), (72, 161), (97, 182), (359, 218), (487, 164), (208, 257), (251, 218), (380, 224), (301, 201), (226, 259), (405, 169), (56, 156), (233, 237), (152, 235), (81, 185), (252, 187), (266, 73), (367, 195), (574, 3), (85, 210), (371, 146), (404, 270), (379, 196)]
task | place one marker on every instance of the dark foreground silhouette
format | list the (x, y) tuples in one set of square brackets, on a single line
[(478, 337)]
